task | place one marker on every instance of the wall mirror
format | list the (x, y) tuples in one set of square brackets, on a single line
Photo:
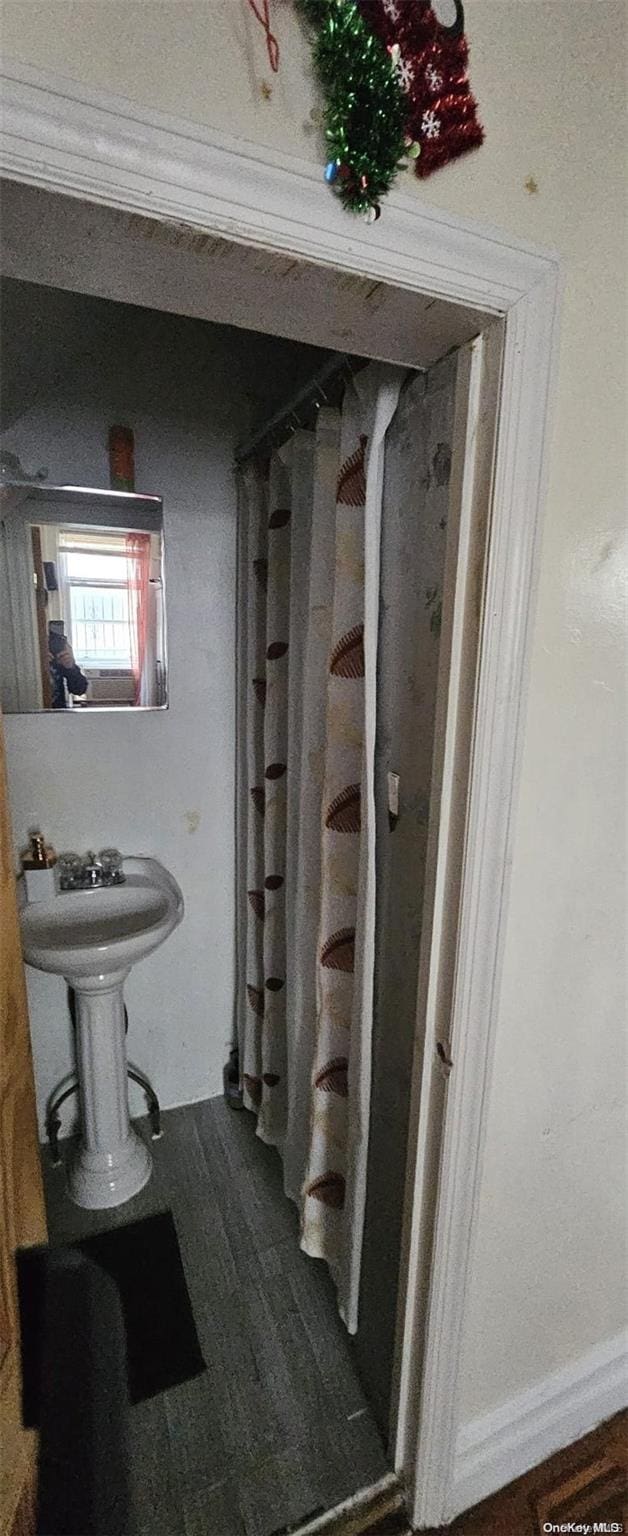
[(82, 601)]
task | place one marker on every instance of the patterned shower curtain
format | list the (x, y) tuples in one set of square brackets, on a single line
[(309, 540)]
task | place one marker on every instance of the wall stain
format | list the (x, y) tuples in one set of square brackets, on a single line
[(192, 820), (604, 555)]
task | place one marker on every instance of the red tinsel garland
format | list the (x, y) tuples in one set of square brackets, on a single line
[(431, 64)]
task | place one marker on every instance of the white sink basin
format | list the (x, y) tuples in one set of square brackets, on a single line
[(98, 932), (93, 938)]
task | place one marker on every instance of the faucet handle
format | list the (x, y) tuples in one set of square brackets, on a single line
[(111, 862), (70, 870)]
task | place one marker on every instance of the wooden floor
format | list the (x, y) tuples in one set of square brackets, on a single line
[(278, 1426)]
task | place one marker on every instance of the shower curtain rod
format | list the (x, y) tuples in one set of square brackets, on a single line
[(287, 419)]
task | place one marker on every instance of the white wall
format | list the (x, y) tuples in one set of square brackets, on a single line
[(548, 1279), (151, 783)]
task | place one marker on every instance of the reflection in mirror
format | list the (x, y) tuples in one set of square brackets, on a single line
[(82, 609)]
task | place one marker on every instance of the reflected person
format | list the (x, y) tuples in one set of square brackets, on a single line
[(65, 676)]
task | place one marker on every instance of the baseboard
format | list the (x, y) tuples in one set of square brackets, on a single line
[(499, 1446)]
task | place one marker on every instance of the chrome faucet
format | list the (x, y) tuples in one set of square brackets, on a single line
[(90, 872)]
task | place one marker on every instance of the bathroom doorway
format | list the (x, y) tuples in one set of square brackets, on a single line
[(210, 1169)]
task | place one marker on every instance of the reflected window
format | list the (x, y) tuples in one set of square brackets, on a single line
[(101, 608)]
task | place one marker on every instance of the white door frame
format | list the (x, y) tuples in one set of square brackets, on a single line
[(65, 137)]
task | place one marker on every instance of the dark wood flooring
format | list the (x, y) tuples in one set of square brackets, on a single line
[(278, 1426)]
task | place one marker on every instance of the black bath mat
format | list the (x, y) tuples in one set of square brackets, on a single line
[(143, 1259)]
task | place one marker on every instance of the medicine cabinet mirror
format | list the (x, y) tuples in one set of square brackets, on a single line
[(82, 601)]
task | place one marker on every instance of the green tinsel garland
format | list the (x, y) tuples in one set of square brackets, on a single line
[(365, 108)]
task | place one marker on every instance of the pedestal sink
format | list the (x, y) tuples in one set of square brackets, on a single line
[(92, 938)]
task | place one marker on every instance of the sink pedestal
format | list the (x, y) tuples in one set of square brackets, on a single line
[(111, 1163), (93, 937)]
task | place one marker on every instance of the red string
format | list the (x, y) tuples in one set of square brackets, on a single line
[(272, 45)]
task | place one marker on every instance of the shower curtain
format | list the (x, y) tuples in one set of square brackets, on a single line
[(415, 517), (308, 587)]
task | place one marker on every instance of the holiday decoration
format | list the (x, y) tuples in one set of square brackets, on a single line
[(394, 77), (272, 46), (429, 52), (365, 110)]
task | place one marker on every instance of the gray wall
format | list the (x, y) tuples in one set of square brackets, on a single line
[(159, 783)]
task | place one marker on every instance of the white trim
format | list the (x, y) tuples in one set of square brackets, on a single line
[(498, 1446), (67, 138), (529, 357)]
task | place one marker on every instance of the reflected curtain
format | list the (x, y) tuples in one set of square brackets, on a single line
[(137, 550), (19, 645), (309, 539)]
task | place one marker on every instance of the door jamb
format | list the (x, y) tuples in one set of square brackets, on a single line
[(440, 1038), (65, 137)]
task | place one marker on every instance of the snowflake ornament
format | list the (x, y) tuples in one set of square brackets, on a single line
[(433, 78), (404, 73), (430, 124), (392, 10)]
